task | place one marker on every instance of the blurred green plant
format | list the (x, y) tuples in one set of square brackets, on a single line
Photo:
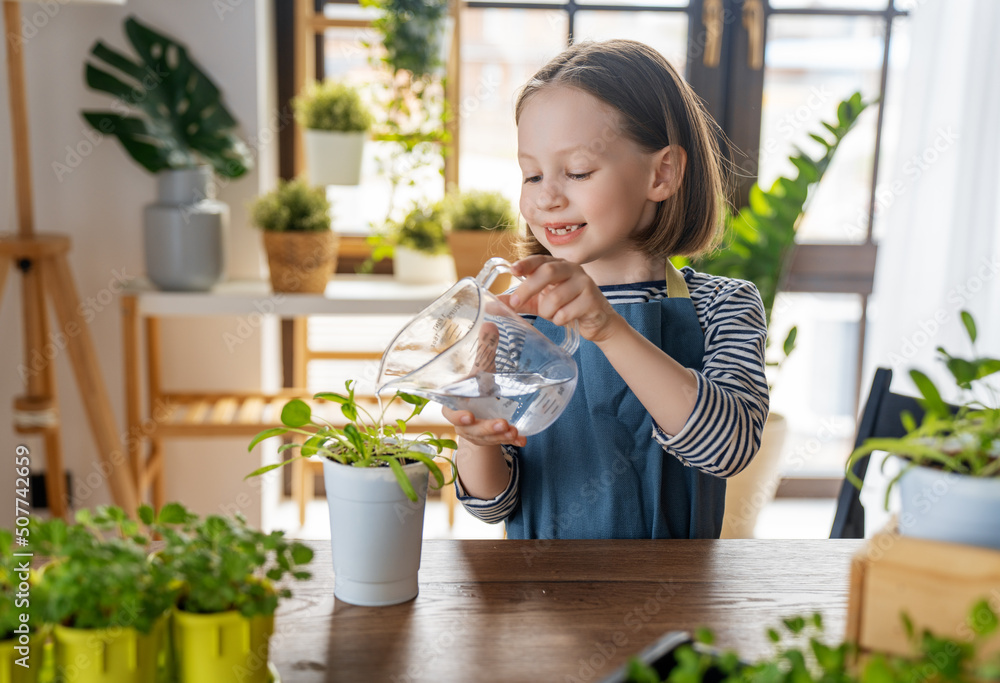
[(477, 210), (802, 656), (99, 574), (168, 114), (293, 206), (332, 106), (758, 240), (222, 563)]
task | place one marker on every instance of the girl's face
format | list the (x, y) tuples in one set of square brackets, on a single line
[(585, 185)]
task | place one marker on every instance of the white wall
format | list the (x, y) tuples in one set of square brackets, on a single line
[(99, 205)]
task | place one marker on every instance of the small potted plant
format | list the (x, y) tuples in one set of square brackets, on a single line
[(479, 225), (171, 118), (301, 246), (226, 592), (107, 599), (336, 123), (376, 482), (20, 639), (419, 247), (949, 483)]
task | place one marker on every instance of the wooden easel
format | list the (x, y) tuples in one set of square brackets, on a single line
[(44, 269)]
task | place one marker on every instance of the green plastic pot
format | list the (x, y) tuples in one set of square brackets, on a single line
[(111, 655), (10, 672), (218, 648)]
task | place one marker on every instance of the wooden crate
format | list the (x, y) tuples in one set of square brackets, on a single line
[(935, 583)]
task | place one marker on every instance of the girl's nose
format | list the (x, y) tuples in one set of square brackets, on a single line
[(550, 196)]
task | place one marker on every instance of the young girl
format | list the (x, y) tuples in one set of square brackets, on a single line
[(621, 171)]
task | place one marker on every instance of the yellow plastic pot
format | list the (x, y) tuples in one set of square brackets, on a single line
[(10, 671), (218, 648), (111, 655)]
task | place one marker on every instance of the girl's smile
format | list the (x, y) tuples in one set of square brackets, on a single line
[(586, 185)]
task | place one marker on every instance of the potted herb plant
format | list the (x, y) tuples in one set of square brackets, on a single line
[(419, 247), (170, 117), (20, 638), (479, 226), (757, 246), (376, 482), (336, 123), (949, 483), (227, 592), (107, 599), (300, 244)]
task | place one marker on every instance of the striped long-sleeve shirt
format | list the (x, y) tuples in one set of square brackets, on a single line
[(723, 432)]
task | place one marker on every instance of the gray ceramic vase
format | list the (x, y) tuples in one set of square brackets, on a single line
[(185, 232)]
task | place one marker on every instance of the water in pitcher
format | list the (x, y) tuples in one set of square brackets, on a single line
[(527, 400)]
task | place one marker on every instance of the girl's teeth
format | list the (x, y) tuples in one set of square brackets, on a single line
[(568, 229)]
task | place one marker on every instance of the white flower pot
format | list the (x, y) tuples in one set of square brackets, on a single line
[(955, 508), (375, 532), (417, 268), (333, 157)]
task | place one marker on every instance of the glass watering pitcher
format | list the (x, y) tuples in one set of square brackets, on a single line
[(469, 350)]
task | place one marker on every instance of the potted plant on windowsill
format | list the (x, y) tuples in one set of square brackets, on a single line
[(170, 118), (107, 599), (757, 247), (301, 246), (227, 592), (376, 481), (479, 226), (949, 483), (419, 247), (336, 123)]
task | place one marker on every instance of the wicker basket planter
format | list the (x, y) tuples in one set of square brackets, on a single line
[(301, 262)]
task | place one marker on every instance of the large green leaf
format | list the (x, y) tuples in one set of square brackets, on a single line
[(759, 238), (175, 114)]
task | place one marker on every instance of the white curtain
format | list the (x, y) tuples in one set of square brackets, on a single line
[(941, 249)]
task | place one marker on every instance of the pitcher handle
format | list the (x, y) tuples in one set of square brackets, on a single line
[(497, 265)]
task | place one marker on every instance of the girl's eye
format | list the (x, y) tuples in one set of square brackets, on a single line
[(532, 179), (579, 176)]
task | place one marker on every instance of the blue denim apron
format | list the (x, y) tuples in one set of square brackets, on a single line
[(597, 472)]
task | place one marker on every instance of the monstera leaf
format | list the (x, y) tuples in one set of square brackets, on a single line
[(759, 239), (167, 113)]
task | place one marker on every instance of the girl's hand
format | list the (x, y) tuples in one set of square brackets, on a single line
[(492, 432), (562, 292)]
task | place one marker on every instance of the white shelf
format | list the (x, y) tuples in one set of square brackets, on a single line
[(345, 295)]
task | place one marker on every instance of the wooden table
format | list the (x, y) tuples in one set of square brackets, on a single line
[(550, 611)]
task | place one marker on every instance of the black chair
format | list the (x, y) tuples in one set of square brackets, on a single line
[(881, 418)]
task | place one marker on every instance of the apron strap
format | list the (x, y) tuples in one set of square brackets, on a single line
[(676, 286)]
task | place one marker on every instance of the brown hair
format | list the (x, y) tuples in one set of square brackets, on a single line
[(657, 108)]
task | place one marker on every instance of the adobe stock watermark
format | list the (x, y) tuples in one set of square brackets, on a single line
[(34, 21), (247, 326), (59, 339), (887, 194), (588, 667), (92, 139), (958, 296)]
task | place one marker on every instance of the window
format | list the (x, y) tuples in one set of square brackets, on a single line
[(768, 71)]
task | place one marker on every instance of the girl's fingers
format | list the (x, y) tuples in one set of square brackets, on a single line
[(540, 272)]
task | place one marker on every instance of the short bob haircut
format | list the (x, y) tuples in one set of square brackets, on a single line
[(657, 108)]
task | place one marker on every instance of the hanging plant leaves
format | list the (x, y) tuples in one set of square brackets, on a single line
[(168, 113)]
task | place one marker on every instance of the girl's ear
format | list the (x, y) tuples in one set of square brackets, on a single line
[(668, 171)]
